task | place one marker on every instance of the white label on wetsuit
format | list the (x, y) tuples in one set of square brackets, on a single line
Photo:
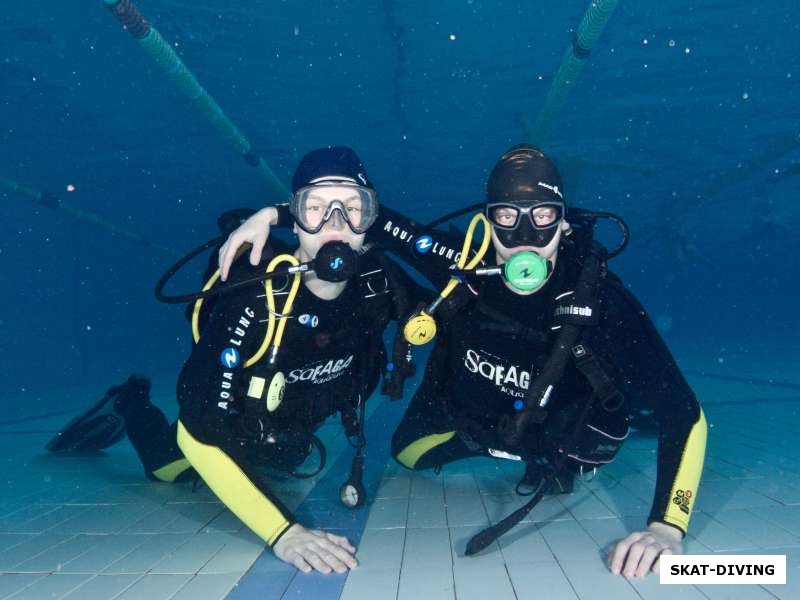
[(256, 387), (501, 454), (511, 379), (321, 373), (424, 245)]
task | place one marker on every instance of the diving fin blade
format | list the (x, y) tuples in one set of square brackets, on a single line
[(102, 425)]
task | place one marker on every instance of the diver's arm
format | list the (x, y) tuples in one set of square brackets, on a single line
[(630, 342), (652, 376), (240, 489), (236, 485), (207, 391), (213, 444), (431, 252)]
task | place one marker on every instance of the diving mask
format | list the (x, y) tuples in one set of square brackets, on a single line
[(525, 224), (356, 205)]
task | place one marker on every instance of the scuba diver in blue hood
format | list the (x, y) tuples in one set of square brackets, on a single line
[(540, 353), (272, 362)]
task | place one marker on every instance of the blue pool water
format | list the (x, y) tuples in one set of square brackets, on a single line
[(685, 121)]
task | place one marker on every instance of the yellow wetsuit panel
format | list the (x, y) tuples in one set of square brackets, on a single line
[(227, 480)]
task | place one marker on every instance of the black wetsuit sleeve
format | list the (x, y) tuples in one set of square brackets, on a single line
[(431, 252), (649, 376), (399, 235), (211, 379)]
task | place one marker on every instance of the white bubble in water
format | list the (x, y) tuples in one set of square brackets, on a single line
[(672, 43), (452, 37), (745, 96), (297, 30), (70, 187), (687, 50)]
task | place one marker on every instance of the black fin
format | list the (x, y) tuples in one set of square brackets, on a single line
[(102, 425)]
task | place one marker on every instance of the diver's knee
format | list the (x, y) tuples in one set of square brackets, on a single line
[(404, 462)]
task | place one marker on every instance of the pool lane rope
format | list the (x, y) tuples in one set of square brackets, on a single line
[(173, 68), (48, 200), (575, 58)]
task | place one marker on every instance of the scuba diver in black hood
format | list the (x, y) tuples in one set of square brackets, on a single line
[(272, 362), (539, 354)]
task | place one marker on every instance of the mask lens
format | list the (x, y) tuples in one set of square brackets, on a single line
[(314, 206), (504, 215), (545, 215)]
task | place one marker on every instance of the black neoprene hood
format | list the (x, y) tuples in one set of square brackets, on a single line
[(524, 175)]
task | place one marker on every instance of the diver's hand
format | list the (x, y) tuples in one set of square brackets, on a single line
[(638, 553), (309, 549), (254, 231)]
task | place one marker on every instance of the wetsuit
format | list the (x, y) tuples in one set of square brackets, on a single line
[(331, 356), (488, 353)]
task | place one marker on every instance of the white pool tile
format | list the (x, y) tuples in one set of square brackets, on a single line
[(193, 555), (418, 582), (394, 487), (381, 548), (28, 549), (150, 553), (54, 558), (207, 587), (154, 587), (463, 510), (763, 533), (718, 537), (102, 587), (425, 484), (423, 512), (460, 484), (11, 583), (388, 513), (364, 583), (427, 548), (482, 580), (239, 552), (52, 586), (530, 581), (105, 550)]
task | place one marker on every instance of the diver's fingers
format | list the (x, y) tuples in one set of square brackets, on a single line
[(341, 541), (316, 561), (259, 241), (298, 561), (635, 553), (649, 557), (228, 252), (221, 261), (657, 564), (619, 551), (336, 556)]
